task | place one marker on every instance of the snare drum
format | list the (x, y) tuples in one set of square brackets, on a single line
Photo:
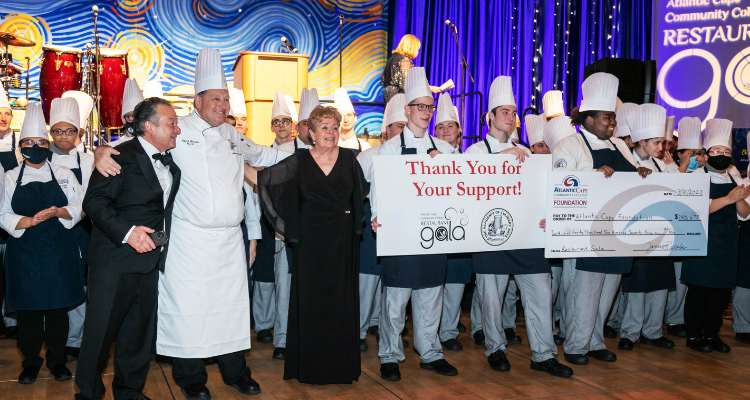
[(113, 72), (60, 71)]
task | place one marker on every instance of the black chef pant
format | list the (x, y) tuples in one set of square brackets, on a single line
[(190, 371), (704, 310), (39, 327)]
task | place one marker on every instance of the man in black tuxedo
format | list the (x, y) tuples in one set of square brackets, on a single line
[(124, 261)]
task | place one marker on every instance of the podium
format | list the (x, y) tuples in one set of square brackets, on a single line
[(260, 75)]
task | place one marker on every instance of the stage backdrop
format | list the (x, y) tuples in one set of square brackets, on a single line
[(164, 36), (704, 59)]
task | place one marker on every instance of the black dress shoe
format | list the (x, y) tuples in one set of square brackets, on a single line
[(677, 330), (452, 345), (246, 385), (699, 344), (362, 345), (278, 353), (511, 336), (28, 376), (373, 330), (610, 332), (625, 344), (61, 372), (441, 367), (196, 391), (140, 396), (559, 341), (72, 353), (11, 332), (390, 372), (742, 337), (461, 328), (404, 343), (160, 359), (211, 360), (498, 361), (576, 359), (553, 367), (718, 345), (603, 355), (662, 342), (265, 336), (479, 338)]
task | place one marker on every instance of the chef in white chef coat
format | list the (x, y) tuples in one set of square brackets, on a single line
[(623, 112), (347, 138), (553, 104), (9, 159), (447, 126), (239, 109), (153, 89), (85, 106), (131, 96), (308, 101)]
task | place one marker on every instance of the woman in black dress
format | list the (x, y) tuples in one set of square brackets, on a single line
[(398, 65), (315, 200)]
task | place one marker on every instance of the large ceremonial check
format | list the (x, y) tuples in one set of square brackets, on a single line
[(460, 203), (663, 215)]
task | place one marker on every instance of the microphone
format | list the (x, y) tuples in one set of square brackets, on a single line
[(288, 44), (449, 23), (95, 9)]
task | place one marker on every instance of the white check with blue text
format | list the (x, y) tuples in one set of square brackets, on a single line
[(663, 215)]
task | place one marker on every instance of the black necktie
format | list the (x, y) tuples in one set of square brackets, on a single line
[(165, 159)]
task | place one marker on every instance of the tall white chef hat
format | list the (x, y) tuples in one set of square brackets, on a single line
[(553, 104), (4, 103), (535, 127), (384, 124), (416, 85), (308, 100), (557, 129), (501, 93), (395, 109), (152, 89), (65, 110), (280, 106), (131, 96), (237, 102), (623, 115), (670, 128), (648, 122), (458, 119), (209, 71), (33, 122), (85, 104), (690, 133), (291, 106), (599, 92), (342, 101), (718, 133), (445, 109)]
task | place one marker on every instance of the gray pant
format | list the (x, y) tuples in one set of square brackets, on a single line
[(741, 310), (8, 315), (588, 299), (283, 289), (426, 305), (476, 311), (644, 313), (617, 313), (558, 304), (369, 297), (509, 306), (75, 326), (264, 305), (674, 313), (452, 295), (536, 297)]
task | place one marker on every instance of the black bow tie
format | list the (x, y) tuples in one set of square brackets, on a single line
[(165, 159)]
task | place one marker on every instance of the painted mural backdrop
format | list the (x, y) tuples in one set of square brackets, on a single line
[(163, 37)]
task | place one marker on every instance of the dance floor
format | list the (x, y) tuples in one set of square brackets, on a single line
[(644, 373)]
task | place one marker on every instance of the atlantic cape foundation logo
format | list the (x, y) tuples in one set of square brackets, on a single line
[(497, 226), (570, 193)]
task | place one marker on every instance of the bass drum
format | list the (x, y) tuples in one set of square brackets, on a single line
[(60, 71), (113, 72)]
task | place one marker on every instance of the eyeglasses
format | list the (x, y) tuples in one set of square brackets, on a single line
[(279, 122), (66, 132), (719, 153), (422, 107), (29, 142)]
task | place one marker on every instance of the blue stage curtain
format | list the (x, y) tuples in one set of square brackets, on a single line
[(542, 44)]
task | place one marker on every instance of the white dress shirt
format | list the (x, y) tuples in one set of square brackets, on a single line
[(497, 146), (572, 154)]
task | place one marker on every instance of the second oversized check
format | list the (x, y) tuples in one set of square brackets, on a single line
[(663, 215), (459, 203)]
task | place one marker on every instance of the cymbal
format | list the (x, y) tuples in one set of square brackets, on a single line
[(9, 39)]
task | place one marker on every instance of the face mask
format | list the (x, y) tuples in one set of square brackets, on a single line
[(35, 154), (693, 164), (129, 128), (719, 162)]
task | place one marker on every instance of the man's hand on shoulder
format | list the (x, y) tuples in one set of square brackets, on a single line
[(103, 161)]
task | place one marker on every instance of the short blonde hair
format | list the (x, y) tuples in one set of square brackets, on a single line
[(319, 113), (408, 46)]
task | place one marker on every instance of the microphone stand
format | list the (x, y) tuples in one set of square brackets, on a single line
[(97, 90), (464, 69), (341, 50)]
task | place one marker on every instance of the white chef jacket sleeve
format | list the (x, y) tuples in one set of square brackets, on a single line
[(571, 155), (261, 156), (9, 219), (74, 192), (87, 168), (673, 168), (252, 213), (476, 148), (740, 181), (364, 144)]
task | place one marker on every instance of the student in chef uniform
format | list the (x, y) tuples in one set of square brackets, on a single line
[(591, 283), (85, 106), (370, 268), (348, 139), (239, 109), (8, 161), (646, 287), (623, 112), (297, 143), (41, 204), (153, 89), (419, 277), (553, 104), (131, 96), (530, 268), (308, 101), (64, 123), (668, 156), (741, 293), (710, 279)]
